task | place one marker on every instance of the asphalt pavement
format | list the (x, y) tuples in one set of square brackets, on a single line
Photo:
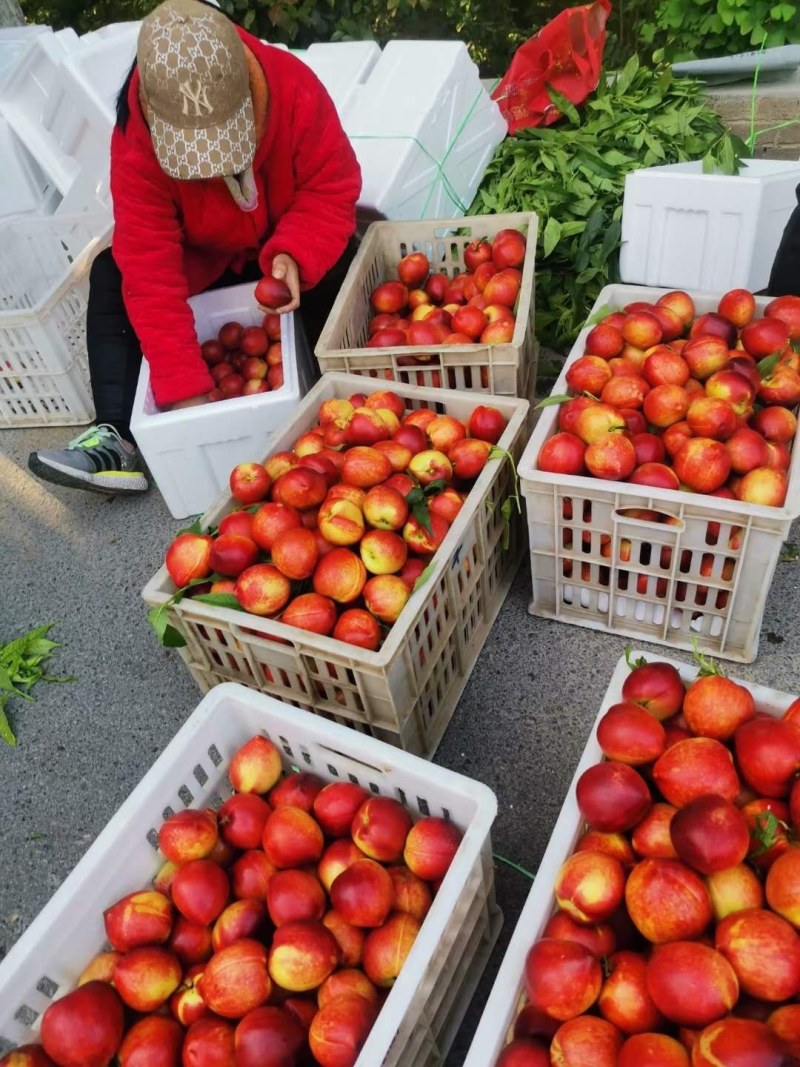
[(80, 561)]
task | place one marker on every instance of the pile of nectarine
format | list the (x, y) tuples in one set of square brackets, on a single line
[(332, 536), (675, 938), (245, 360), (269, 938), (425, 309), (665, 398)]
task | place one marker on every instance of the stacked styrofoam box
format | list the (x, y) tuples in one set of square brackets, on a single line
[(424, 129), (709, 232), (191, 452), (59, 103), (14, 43), (341, 67), (25, 188)]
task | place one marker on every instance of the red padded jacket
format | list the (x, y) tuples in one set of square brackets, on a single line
[(173, 239)]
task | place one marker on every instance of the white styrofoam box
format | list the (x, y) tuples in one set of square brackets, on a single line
[(341, 66), (14, 43), (507, 994), (426, 1004), (192, 451), (423, 142), (100, 64), (24, 187), (711, 232), (68, 139)]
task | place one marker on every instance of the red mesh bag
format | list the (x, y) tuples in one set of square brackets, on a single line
[(566, 54)]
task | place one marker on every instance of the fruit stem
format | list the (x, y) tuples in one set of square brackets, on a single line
[(707, 665), (634, 663), (514, 866)]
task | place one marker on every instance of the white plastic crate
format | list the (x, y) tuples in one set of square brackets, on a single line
[(341, 66), (68, 140), (407, 691), (424, 129), (708, 232), (191, 452), (507, 369), (44, 289), (656, 595), (495, 1029), (425, 1006)]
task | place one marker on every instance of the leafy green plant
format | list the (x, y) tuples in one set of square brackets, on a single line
[(572, 175), (21, 667), (690, 29)]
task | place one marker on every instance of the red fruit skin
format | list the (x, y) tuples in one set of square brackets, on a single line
[(629, 734), (612, 796), (27, 1056), (710, 834), (242, 818), (696, 767), (380, 828), (272, 293), (716, 707), (768, 754), (667, 901), (298, 790), (200, 891), (624, 1000), (524, 1052), (690, 983), (586, 1042), (209, 1043), (268, 1037), (154, 1041), (657, 687), (764, 951), (336, 805), (84, 1028), (562, 979), (600, 939), (736, 1042)]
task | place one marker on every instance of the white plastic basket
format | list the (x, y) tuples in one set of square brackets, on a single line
[(426, 1004), (407, 691), (712, 232), (574, 582), (192, 451), (507, 995), (44, 289)]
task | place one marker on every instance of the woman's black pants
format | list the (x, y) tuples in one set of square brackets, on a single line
[(115, 355)]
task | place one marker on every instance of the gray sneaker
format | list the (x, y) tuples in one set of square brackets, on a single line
[(98, 460)]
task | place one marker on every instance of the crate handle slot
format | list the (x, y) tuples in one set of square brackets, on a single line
[(351, 759), (662, 519)]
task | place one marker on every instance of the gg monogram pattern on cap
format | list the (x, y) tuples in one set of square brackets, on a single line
[(196, 83)]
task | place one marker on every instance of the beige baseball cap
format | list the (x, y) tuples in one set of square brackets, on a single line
[(195, 78)]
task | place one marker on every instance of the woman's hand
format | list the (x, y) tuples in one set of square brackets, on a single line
[(189, 402), (285, 269)]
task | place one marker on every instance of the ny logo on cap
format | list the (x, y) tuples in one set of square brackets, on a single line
[(194, 92)]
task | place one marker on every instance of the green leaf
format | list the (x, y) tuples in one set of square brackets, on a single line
[(766, 366), (196, 527), (505, 510), (707, 665), (602, 313), (6, 733), (424, 577), (564, 105), (551, 235), (634, 663), (219, 600), (551, 401)]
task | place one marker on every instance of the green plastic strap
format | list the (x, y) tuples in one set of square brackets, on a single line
[(754, 135), (438, 164)]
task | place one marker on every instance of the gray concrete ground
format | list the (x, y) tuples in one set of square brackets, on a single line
[(80, 561)]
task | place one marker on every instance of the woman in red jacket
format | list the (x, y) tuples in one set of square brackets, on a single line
[(228, 161)]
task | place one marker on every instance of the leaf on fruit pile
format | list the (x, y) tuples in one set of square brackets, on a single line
[(418, 503), (21, 667), (790, 553), (514, 500), (195, 528), (424, 577), (767, 365), (602, 313), (219, 600), (551, 401), (433, 488), (767, 832)]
